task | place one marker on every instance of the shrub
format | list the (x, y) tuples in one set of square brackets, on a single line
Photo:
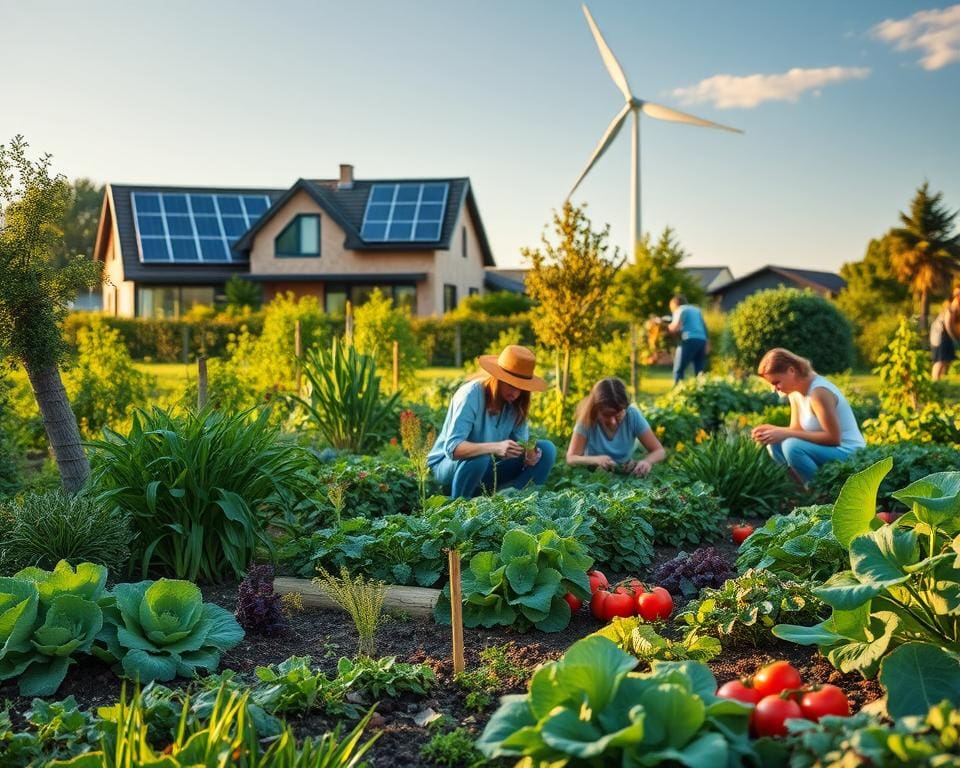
[(875, 337), (713, 397), (674, 423), (43, 529), (688, 574), (494, 304), (258, 606), (377, 324), (803, 322), (242, 294), (903, 370), (933, 423)]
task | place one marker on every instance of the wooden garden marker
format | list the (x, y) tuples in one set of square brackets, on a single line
[(201, 381), (456, 609), (396, 366)]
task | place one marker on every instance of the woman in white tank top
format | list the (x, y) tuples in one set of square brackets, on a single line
[(822, 425)]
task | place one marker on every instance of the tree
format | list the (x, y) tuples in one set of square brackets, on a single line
[(872, 289), (242, 294), (646, 286), (79, 222), (35, 294), (377, 324), (924, 251), (572, 282)]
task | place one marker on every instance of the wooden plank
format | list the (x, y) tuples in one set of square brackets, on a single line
[(416, 601)]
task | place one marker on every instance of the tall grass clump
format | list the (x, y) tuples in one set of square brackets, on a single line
[(361, 598)]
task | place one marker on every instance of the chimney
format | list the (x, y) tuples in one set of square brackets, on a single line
[(346, 177)]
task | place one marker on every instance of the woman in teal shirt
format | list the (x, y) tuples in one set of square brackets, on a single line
[(487, 418), (607, 429)]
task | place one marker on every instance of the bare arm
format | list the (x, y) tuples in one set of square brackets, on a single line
[(824, 404), (575, 456), (655, 452), (504, 449)]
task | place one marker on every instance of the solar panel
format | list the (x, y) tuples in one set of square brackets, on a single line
[(411, 212), (185, 228)]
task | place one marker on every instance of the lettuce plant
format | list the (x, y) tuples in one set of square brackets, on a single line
[(641, 640), (589, 708), (161, 629)]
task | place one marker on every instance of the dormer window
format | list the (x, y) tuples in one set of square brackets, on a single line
[(301, 237)]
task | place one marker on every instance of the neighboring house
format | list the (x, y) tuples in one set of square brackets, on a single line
[(166, 249), (727, 296), (513, 279), (710, 277)]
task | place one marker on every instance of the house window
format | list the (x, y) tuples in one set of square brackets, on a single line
[(336, 296), (473, 291), (463, 242), (171, 301), (301, 237), (449, 297)]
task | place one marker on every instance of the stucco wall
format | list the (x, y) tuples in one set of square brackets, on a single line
[(453, 268), (118, 294)]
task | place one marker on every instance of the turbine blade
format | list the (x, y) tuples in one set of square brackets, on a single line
[(661, 112), (613, 66), (611, 133)]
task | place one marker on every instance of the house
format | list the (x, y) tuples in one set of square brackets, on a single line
[(710, 277), (727, 296), (168, 248), (513, 278)]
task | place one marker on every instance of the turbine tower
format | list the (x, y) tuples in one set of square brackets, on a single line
[(636, 107)]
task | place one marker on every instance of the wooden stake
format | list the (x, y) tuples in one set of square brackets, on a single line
[(396, 366), (201, 381), (297, 351), (456, 609), (634, 380), (348, 323)]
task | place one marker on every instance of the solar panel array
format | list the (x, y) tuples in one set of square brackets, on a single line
[(193, 228), (411, 212)]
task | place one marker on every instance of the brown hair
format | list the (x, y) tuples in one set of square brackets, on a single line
[(778, 359), (495, 401), (610, 393)]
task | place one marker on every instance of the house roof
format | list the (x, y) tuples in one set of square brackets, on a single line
[(706, 275), (808, 278), (501, 280), (380, 277)]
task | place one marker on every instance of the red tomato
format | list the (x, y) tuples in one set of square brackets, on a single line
[(741, 532), (598, 604), (573, 601), (632, 587), (736, 690), (825, 700), (776, 677), (655, 605), (619, 604), (770, 713), (887, 517), (597, 581)]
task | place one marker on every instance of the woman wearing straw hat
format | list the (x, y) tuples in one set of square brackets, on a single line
[(481, 442)]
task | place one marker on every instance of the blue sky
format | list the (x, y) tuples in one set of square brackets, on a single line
[(847, 107)]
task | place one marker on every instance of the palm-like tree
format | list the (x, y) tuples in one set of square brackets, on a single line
[(924, 251)]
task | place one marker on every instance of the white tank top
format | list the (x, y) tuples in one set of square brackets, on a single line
[(850, 436)]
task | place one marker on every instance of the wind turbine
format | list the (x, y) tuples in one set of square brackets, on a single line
[(635, 106)]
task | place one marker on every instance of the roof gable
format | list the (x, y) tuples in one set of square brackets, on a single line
[(808, 278)]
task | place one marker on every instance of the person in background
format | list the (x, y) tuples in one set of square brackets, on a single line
[(607, 429), (944, 336), (687, 322), (481, 443), (822, 425)]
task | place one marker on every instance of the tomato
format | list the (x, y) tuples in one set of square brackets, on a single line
[(655, 605), (630, 587), (619, 604), (887, 517), (770, 713), (741, 532), (598, 604), (597, 581), (825, 700), (573, 601), (736, 690), (776, 677)]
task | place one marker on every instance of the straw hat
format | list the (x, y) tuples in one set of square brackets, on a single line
[(515, 366)]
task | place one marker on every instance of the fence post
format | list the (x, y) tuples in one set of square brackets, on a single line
[(201, 382), (457, 346), (456, 609), (396, 366), (634, 381), (185, 343), (348, 324), (297, 352)]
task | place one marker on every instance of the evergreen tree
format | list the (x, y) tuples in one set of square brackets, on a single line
[(646, 286), (873, 289)]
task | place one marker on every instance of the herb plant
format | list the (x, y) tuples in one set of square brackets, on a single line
[(688, 574), (453, 749), (361, 598), (258, 606)]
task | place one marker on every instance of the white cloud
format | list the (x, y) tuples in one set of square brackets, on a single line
[(936, 33), (726, 91)]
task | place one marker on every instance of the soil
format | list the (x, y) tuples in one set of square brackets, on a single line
[(326, 635)]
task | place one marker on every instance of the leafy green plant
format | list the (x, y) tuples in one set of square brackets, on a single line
[(934, 422), (161, 629), (201, 488), (452, 749), (294, 685), (590, 709), (799, 545), (744, 610), (377, 324), (496, 672), (343, 399), (361, 598), (43, 528), (713, 397), (57, 729), (375, 678), (904, 371), (641, 640)]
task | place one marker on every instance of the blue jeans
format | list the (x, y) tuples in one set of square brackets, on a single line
[(803, 457), (467, 477), (689, 351)]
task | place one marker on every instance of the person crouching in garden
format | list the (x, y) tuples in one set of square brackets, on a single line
[(822, 425), (607, 429), (481, 443)]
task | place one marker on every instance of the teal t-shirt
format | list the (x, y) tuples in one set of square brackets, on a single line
[(691, 322), (620, 446), (468, 419)]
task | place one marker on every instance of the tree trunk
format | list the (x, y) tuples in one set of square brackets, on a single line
[(924, 311), (566, 374), (61, 426)]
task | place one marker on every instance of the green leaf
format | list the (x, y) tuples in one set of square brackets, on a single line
[(44, 676), (864, 656), (522, 573), (558, 618), (567, 733), (878, 559), (517, 543), (592, 668), (674, 715), (512, 716), (844, 591), (933, 499), (918, 676), (856, 506), (815, 635)]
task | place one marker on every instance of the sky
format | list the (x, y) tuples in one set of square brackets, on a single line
[(846, 108)]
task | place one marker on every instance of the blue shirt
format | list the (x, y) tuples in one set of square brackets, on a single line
[(691, 322), (468, 419), (620, 446)]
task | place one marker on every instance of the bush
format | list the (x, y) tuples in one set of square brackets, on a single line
[(713, 397), (242, 294), (673, 424), (801, 321), (494, 304), (377, 324), (43, 529), (875, 337)]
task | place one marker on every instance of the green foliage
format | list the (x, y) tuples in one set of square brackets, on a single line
[(377, 324), (903, 371), (933, 423), (778, 415), (78, 226), (57, 730), (713, 397), (43, 528), (343, 400), (201, 488), (646, 286), (103, 385), (495, 673), (803, 322), (242, 294), (494, 304), (799, 545), (744, 610), (674, 424), (376, 678), (361, 598), (523, 584), (747, 481), (590, 709), (11, 441), (453, 749), (641, 640)]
